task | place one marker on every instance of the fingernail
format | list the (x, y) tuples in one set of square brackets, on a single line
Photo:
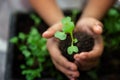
[(98, 27), (46, 32)]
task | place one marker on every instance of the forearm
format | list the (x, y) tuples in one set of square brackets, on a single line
[(48, 10), (97, 8)]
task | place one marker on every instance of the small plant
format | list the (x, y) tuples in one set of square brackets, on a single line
[(68, 27)]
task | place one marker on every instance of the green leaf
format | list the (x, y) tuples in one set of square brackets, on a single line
[(32, 16), (66, 20), (22, 66), (42, 42), (22, 47), (72, 49), (30, 61), (26, 53), (32, 47), (34, 32), (14, 40), (60, 35), (29, 40), (22, 36), (113, 12), (68, 28), (75, 12), (41, 59), (75, 40), (37, 21), (43, 48)]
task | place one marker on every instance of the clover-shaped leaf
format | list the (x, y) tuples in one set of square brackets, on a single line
[(72, 49)]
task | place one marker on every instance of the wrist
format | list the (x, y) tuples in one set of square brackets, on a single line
[(55, 20), (91, 16)]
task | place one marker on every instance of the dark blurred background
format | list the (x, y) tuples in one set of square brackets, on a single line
[(7, 8)]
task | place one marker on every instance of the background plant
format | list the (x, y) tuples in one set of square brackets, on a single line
[(33, 47), (112, 29)]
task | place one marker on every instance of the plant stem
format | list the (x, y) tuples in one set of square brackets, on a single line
[(71, 38)]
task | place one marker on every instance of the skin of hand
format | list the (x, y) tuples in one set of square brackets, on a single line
[(60, 62), (89, 22), (88, 60), (85, 60)]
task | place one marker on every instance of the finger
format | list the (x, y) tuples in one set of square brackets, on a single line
[(95, 53), (91, 65), (97, 29), (73, 78), (69, 73), (97, 49), (51, 31), (92, 26), (96, 26), (88, 60), (60, 62), (84, 63), (87, 65), (56, 54)]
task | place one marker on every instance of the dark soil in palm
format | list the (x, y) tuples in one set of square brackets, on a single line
[(85, 43)]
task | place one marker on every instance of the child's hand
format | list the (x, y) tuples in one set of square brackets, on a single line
[(60, 62), (88, 60)]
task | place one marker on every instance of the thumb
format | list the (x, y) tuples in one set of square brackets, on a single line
[(97, 29), (51, 31)]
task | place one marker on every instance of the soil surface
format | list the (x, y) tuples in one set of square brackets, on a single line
[(85, 43)]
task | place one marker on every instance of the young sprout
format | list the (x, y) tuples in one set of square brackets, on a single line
[(68, 27)]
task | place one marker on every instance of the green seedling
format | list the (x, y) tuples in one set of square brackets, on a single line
[(68, 27)]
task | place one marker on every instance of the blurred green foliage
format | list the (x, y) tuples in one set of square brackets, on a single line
[(33, 47), (112, 29)]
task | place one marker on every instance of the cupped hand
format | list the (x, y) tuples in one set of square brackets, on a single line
[(60, 62), (89, 60)]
